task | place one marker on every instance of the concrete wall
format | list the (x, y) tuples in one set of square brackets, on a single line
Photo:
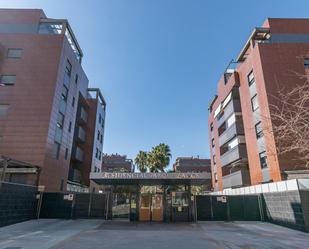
[(17, 203), (285, 208)]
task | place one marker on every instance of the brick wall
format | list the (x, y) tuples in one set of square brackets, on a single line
[(17, 203)]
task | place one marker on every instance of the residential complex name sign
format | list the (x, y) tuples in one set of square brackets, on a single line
[(171, 176)]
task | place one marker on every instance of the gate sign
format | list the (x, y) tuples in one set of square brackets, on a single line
[(221, 198), (117, 175), (68, 197)]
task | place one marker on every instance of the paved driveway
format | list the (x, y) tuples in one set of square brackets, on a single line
[(93, 234)]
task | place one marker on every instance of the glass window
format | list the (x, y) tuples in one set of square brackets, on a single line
[(306, 63), (76, 78), (14, 53), (4, 110), (251, 79), (96, 153), (263, 159), (259, 130), (50, 28), (73, 101), (60, 120), (98, 135), (8, 80), (254, 103), (56, 150), (213, 142), (68, 68), (70, 126), (64, 94), (62, 106), (214, 159), (66, 154), (58, 134), (211, 127), (233, 143), (101, 139), (216, 177)]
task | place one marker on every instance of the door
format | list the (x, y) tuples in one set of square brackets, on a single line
[(144, 210), (157, 207)]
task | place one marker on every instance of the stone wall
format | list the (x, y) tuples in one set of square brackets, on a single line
[(17, 203)]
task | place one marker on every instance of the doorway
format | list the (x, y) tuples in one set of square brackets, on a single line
[(151, 207)]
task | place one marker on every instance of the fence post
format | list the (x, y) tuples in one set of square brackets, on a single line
[(261, 208), (89, 205), (211, 208)]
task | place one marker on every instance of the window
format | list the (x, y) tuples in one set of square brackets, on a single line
[(259, 130), (216, 177), (60, 120), (214, 159), (14, 53), (73, 101), (254, 103), (231, 120), (8, 80), (70, 126), (56, 150), (213, 142), (68, 68), (64, 94), (100, 155), (76, 78), (211, 127), (306, 63), (62, 106), (101, 139), (96, 153), (251, 79), (263, 159), (66, 153), (98, 135), (4, 110), (58, 134)]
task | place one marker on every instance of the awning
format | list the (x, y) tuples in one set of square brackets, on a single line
[(107, 178)]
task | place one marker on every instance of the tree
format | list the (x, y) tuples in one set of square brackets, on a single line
[(159, 158), (141, 161), (290, 122)]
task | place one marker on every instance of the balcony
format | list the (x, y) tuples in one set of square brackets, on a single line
[(78, 154), (231, 107), (236, 179), (83, 115), (237, 153), (232, 131), (80, 134)]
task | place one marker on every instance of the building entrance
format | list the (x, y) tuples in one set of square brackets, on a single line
[(151, 207)]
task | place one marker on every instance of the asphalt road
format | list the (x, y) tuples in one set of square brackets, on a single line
[(93, 234)]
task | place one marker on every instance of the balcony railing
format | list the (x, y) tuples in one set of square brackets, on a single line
[(78, 154), (238, 152), (232, 106), (235, 129), (81, 134), (239, 178)]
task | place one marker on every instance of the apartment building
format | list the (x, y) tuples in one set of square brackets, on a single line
[(192, 164), (49, 117), (242, 141), (116, 163)]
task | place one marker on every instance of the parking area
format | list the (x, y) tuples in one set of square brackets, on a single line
[(68, 234)]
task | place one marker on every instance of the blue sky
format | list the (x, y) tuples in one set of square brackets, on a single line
[(157, 62)]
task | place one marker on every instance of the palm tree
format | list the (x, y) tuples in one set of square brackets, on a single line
[(159, 158), (141, 161)]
